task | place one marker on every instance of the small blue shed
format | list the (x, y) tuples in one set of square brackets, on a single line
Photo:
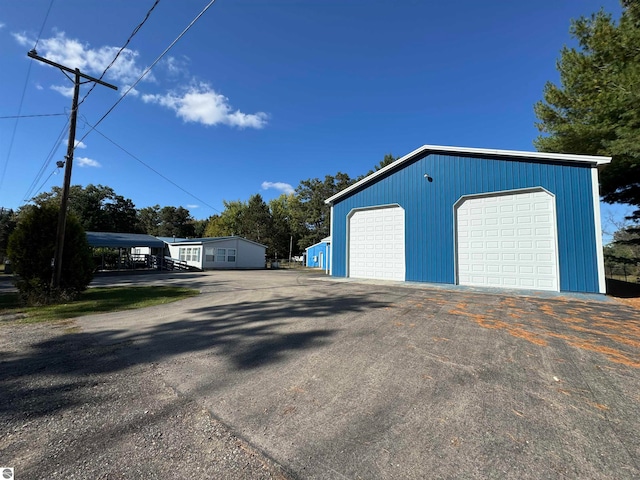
[(319, 254), (478, 217)]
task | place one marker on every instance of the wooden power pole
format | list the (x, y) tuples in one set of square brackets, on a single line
[(62, 218)]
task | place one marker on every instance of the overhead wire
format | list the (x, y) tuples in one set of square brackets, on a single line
[(33, 116), (131, 87), (148, 69), (24, 89), (47, 179), (56, 145), (93, 127), (15, 127), (43, 24), (133, 34), (31, 190)]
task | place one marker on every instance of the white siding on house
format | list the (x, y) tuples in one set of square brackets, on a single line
[(218, 253), (190, 253), (225, 253), (250, 255), (233, 253)]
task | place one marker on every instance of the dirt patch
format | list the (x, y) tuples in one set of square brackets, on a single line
[(634, 302), (585, 325)]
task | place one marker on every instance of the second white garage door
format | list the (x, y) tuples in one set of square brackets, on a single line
[(376, 244), (508, 240)]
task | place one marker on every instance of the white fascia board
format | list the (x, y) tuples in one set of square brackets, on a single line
[(312, 246), (324, 240), (557, 157), (231, 237), (331, 244)]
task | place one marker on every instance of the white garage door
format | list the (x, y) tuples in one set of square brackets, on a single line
[(508, 241), (376, 244)]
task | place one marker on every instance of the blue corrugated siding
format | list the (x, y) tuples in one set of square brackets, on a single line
[(314, 252), (429, 218)]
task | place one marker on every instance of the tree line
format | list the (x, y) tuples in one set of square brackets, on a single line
[(290, 221), (595, 110)]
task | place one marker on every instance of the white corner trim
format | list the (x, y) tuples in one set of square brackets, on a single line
[(331, 236), (597, 221)]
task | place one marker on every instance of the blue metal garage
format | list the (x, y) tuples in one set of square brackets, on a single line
[(478, 217), (319, 254)]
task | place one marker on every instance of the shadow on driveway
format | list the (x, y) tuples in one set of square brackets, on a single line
[(249, 334)]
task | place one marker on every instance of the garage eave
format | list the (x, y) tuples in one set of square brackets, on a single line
[(517, 154)]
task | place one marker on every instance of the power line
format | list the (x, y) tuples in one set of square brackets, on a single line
[(44, 22), (46, 180), (93, 128), (33, 116), (15, 127), (133, 33), (56, 145), (24, 89), (30, 190), (148, 69)]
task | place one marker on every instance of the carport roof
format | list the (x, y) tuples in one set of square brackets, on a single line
[(123, 240)]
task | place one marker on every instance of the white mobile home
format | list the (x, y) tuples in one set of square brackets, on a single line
[(219, 253)]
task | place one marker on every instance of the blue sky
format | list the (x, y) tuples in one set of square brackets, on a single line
[(259, 95)]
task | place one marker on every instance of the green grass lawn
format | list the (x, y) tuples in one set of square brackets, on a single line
[(93, 300)]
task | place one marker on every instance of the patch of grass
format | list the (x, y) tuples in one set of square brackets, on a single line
[(94, 300)]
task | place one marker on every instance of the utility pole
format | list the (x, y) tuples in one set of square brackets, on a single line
[(62, 218)]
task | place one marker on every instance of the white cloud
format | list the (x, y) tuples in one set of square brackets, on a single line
[(191, 207), (198, 103), (176, 66), (23, 40), (87, 162), (201, 104), (1, 25), (62, 90), (75, 54), (78, 143), (129, 91), (283, 187)]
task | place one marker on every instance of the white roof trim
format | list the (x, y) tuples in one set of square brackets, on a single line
[(324, 240), (202, 241), (558, 157)]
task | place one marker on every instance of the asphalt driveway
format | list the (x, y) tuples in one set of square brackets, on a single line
[(335, 379)]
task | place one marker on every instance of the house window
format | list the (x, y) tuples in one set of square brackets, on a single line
[(231, 255), (189, 254), (209, 255), (221, 255)]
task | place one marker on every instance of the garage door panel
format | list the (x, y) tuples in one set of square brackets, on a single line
[(521, 253), (380, 252)]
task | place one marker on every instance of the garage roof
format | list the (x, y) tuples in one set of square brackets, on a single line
[(554, 157), (122, 240)]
